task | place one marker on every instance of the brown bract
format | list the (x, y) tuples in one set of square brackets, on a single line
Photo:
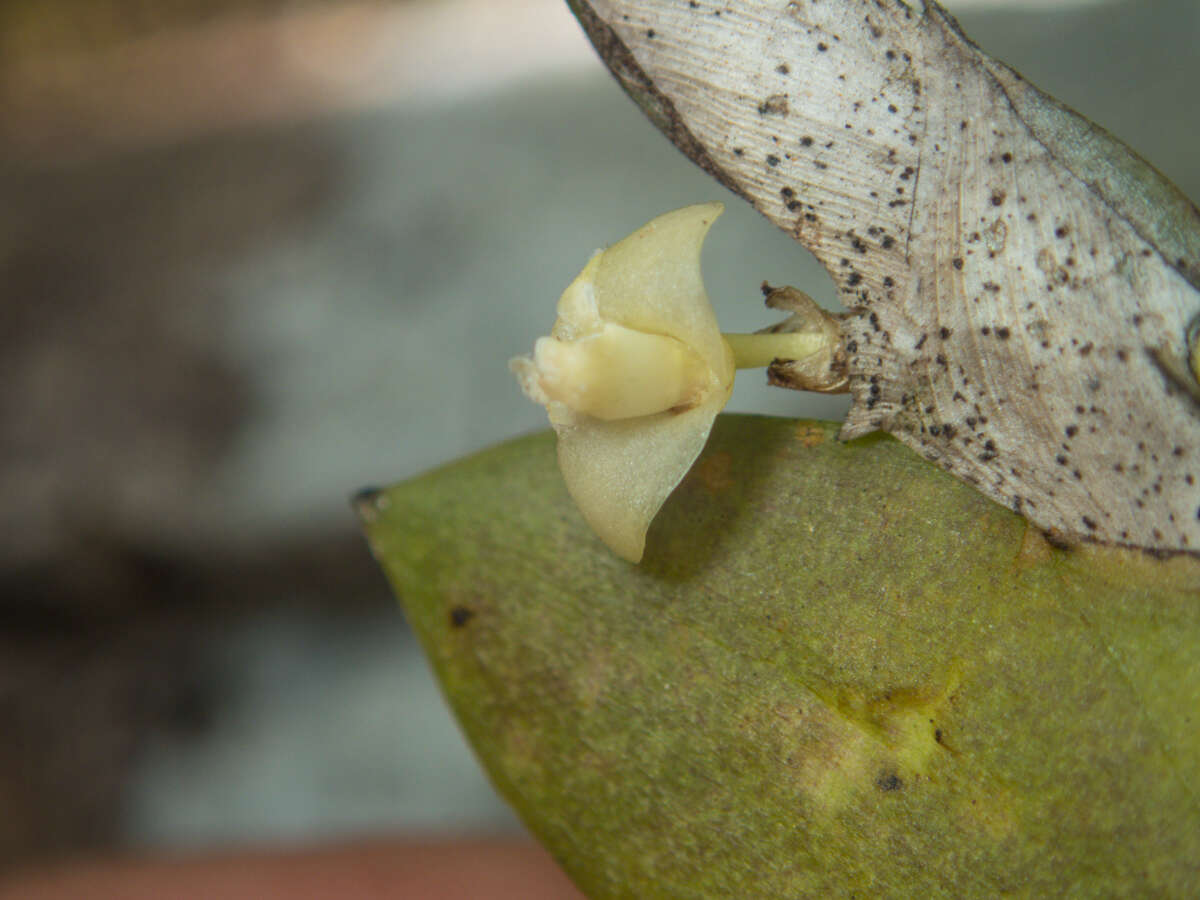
[(1021, 284)]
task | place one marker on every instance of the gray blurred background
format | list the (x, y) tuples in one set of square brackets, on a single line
[(255, 255)]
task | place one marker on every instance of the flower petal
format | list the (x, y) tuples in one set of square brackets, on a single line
[(621, 472), (651, 281)]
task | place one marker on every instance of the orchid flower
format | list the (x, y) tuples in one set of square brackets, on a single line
[(636, 369)]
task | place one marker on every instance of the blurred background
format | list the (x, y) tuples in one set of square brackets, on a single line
[(257, 254)]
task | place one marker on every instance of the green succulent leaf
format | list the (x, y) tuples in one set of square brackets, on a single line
[(838, 671)]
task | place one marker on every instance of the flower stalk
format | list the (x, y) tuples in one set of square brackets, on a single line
[(759, 350)]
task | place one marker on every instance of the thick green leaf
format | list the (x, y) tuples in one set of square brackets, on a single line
[(839, 671)]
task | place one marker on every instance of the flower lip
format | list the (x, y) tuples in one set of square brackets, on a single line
[(620, 373)]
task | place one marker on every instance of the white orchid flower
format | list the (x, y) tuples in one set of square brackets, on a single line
[(636, 369)]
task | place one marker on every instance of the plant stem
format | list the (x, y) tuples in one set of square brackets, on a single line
[(753, 351)]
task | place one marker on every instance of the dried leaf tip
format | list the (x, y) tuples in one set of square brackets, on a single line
[(635, 371)]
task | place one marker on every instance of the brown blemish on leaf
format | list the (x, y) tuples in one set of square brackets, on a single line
[(1035, 549), (713, 471), (810, 435)]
